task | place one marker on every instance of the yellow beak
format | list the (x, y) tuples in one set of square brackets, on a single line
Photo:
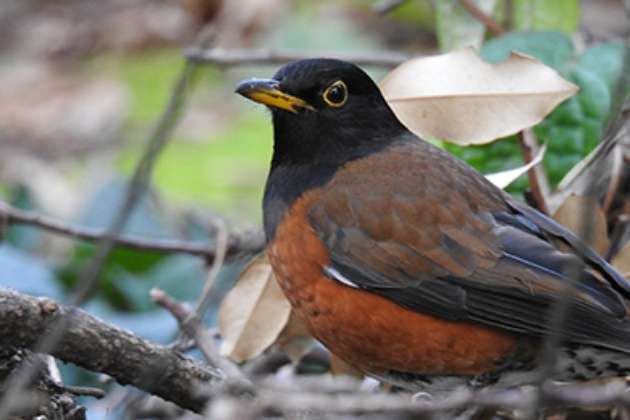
[(267, 92)]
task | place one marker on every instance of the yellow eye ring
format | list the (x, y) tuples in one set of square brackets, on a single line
[(336, 94)]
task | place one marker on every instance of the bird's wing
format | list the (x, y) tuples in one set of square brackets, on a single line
[(447, 243)]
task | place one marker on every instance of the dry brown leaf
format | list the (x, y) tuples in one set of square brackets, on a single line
[(253, 313), (621, 261), (295, 340), (571, 213), (505, 178), (462, 99)]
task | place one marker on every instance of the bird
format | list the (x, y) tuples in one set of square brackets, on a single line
[(406, 263)]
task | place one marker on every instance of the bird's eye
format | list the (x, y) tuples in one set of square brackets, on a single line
[(336, 94)]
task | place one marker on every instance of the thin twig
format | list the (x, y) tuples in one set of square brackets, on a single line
[(99, 346), (83, 391), (478, 14), (227, 58), (243, 243), (537, 177), (138, 185), (195, 331), (191, 321), (213, 272)]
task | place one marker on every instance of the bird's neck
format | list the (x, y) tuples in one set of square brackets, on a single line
[(285, 184), (307, 155)]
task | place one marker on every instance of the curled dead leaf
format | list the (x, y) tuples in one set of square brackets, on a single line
[(621, 261), (295, 340), (460, 98), (571, 214), (504, 178), (253, 313)]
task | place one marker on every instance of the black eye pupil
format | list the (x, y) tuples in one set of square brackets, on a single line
[(336, 94)]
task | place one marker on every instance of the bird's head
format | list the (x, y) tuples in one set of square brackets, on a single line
[(324, 111)]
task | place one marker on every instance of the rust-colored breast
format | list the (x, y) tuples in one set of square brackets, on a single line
[(366, 330)]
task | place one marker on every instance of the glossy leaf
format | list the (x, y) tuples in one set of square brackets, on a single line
[(621, 261), (554, 49)]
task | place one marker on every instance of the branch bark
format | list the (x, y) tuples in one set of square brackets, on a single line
[(101, 347), (538, 183), (237, 243)]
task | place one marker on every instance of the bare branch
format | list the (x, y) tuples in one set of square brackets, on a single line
[(227, 58), (537, 177), (102, 347), (201, 337), (242, 243), (478, 14), (204, 298), (88, 279), (321, 396), (83, 391)]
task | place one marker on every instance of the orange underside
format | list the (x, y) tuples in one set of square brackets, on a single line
[(366, 330)]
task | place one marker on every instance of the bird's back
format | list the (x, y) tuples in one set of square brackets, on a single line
[(423, 229)]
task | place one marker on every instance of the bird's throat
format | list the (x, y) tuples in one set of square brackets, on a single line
[(287, 183)]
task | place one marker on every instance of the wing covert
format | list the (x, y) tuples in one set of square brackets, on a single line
[(442, 252)]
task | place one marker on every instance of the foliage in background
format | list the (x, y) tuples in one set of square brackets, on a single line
[(575, 127)]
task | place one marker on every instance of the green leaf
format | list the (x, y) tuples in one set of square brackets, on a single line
[(557, 15), (493, 157), (605, 60), (574, 128), (594, 95), (555, 49), (456, 28), (121, 262)]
